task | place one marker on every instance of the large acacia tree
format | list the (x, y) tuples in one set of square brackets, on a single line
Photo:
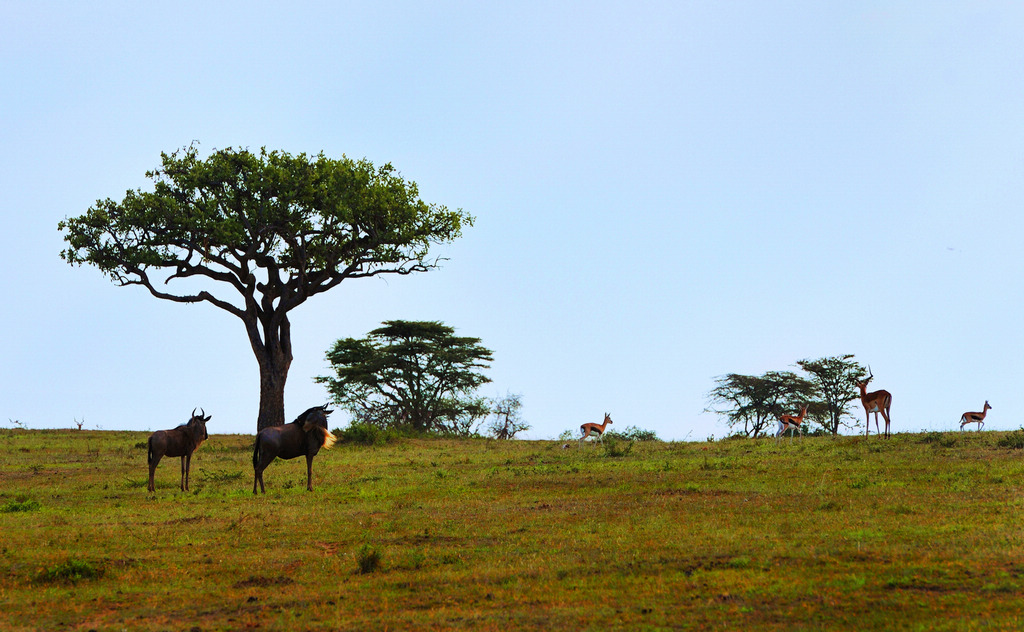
[(257, 235)]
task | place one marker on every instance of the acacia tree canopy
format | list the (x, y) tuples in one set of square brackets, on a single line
[(507, 417), (756, 401), (413, 374), (258, 234), (836, 381)]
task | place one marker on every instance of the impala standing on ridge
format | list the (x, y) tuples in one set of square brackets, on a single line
[(791, 422), (595, 430), (874, 402), (975, 418)]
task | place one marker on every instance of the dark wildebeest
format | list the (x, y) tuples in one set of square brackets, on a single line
[(182, 441), (302, 437)]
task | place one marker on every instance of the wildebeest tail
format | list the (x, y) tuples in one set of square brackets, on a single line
[(149, 454), (329, 438), (256, 453)]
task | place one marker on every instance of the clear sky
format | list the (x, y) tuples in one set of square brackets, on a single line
[(664, 192)]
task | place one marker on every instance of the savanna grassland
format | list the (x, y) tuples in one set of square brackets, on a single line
[(918, 532)]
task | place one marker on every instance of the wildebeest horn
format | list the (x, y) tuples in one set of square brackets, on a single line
[(193, 412)]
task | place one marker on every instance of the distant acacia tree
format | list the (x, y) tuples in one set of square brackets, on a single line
[(754, 402), (835, 379), (410, 374), (270, 229), (506, 417)]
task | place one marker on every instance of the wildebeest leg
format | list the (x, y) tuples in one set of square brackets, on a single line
[(258, 465), (309, 472), (152, 458), (153, 461), (184, 481), (258, 479)]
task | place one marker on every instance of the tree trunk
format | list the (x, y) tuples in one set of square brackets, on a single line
[(273, 352), (272, 380)]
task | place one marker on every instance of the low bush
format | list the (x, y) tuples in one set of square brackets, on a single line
[(615, 447), (632, 433), (1013, 440), (70, 570), (366, 434), (20, 503), (368, 559)]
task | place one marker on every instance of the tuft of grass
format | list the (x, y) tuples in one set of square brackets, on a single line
[(20, 503), (218, 476), (69, 571), (367, 560), (740, 562), (930, 437), (861, 482), (366, 434), (633, 433), (615, 448), (1013, 440)]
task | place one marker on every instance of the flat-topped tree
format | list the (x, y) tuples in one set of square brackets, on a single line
[(257, 234)]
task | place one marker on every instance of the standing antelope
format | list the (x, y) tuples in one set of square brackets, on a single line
[(595, 430), (975, 418), (791, 422), (874, 402), (181, 441)]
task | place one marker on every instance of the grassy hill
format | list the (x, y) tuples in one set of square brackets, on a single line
[(919, 532)]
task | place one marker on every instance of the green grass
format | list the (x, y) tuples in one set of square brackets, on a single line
[(920, 532)]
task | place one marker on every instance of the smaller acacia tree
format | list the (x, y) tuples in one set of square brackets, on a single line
[(414, 375), (756, 401), (506, 417), (836, 381)]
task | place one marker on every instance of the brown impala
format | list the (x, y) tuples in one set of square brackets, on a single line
[(975, 418), (791, 422), (874, 402)]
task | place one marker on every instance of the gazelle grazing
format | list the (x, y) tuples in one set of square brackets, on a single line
[(975, 418), (791, 422), (595, 430), (874, 402)]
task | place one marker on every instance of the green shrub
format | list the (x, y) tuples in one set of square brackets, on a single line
[(1013, 440), (615, 448), (931, 437), (368, 559), (366, 434), (20, 503), (632, 433), (70, 571)]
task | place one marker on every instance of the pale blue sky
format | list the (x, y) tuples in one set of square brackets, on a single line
[(664, 191)]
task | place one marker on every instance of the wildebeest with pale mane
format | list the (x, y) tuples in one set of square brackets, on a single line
[(302, 437), (181, 441)]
